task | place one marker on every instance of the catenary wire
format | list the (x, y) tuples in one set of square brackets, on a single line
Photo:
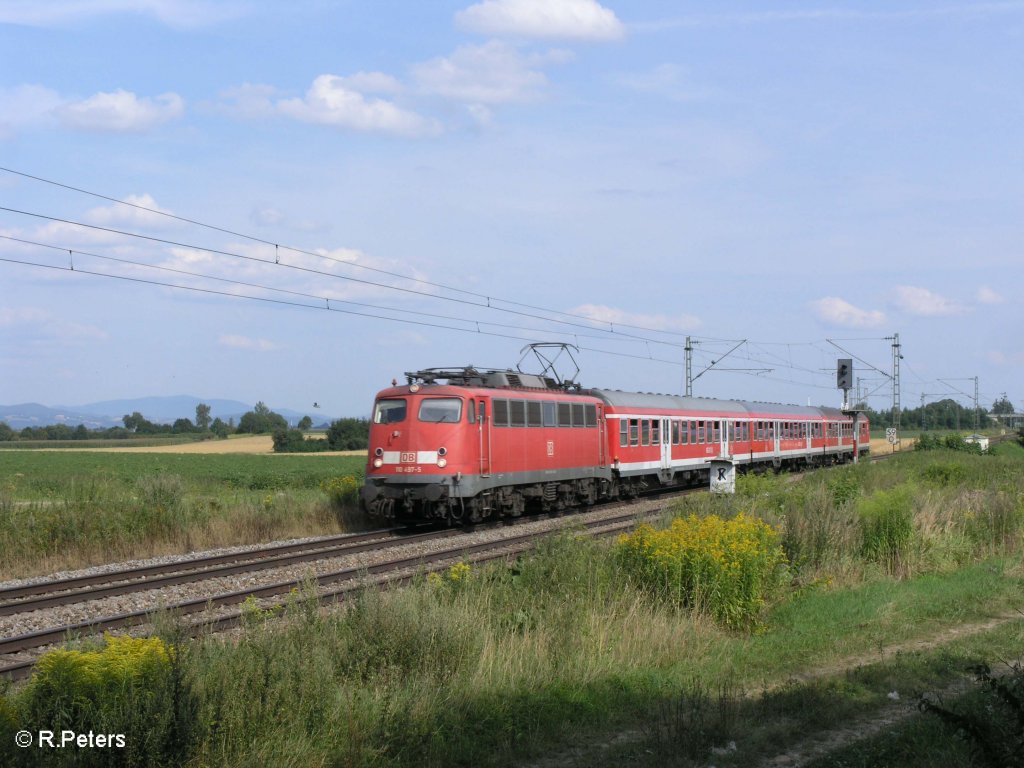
[(489, 299)]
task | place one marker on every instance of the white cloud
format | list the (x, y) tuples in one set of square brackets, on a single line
[(371, 82), (129, 215), (120, 112), (604, 314), (334, 100), (836, 311), (236, 341), (986, 295), (567, 19), (492, 73), (920, 301)]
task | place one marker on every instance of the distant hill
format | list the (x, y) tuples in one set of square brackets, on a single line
[(162, 410)]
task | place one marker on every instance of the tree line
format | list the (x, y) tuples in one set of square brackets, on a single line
[(945, 414), (342, 434)]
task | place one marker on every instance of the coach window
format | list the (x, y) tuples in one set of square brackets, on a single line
[(634, 432), (693, 432), (655, 431), (684, 435), (700, 431), (590, 415), (533, 418), (500, 408), (577, 415), (645, 432), (549, 414), (718, 432), (623, 433), (390, 411), (675, 432), (565, 414)]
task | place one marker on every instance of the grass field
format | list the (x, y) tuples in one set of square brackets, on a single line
[(65, 509), (898, 576)]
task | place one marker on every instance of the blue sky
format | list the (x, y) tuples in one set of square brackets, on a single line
[(784, 173)]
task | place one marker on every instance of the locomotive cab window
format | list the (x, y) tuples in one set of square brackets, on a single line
[(590, 414), (390, 411), (440, 409)]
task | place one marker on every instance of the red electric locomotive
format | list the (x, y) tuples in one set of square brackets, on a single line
[(496, 443)]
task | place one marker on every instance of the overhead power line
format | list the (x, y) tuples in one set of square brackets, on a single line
[(278, 247), (310, 270)]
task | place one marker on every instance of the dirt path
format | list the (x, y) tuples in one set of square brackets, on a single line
[(815, 745), (819, 744)]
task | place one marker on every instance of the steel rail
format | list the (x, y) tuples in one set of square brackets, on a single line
[(179, 575), (125, 574)]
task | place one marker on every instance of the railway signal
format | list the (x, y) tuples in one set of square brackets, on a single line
[(844, 373)]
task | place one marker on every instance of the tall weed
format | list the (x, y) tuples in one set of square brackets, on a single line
[(887, 528)]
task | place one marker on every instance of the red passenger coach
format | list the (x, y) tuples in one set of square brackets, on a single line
[(498, 443)]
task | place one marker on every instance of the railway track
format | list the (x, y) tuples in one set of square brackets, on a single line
[(47, 594), (332, 587)]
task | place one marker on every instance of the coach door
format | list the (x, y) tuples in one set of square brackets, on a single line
[(483, 424), (666, 444)]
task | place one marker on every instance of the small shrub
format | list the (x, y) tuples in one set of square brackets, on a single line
[(945, 474), (342, 491), (130, 686), (728, 568), (887, 527)]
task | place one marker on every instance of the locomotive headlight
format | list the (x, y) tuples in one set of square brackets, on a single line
[(442, 451), (379, 452), (378, 462), (442, 462)]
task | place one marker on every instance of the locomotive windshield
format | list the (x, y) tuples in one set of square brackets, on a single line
[(438, 409), (389, 411)]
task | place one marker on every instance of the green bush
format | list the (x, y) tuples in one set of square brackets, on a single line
[(130, 687), (728, 568), (945, 474), (887, 527), (342, 491)]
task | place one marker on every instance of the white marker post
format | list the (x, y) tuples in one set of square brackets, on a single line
[(723, 476)]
